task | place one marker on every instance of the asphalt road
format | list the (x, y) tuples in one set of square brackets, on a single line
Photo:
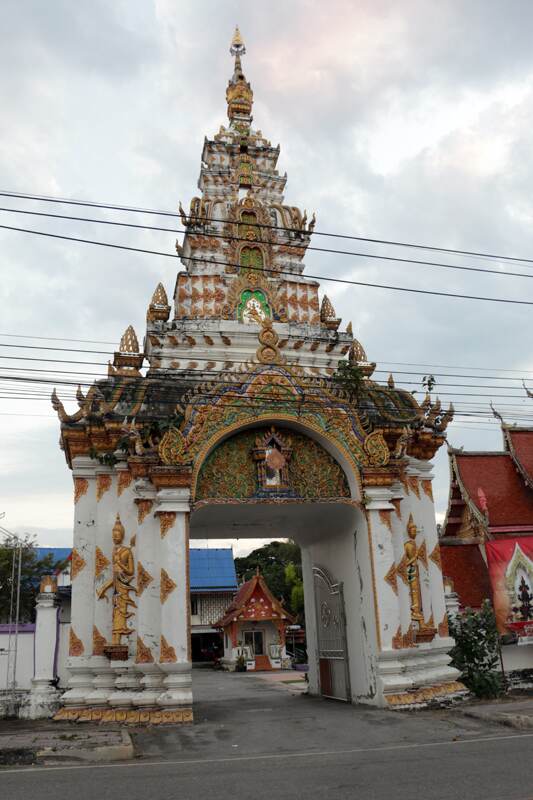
[(252, 740)]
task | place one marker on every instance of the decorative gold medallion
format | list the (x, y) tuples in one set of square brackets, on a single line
[(376, 449), (172, 447)]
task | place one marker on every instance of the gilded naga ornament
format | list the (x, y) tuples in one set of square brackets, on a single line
[(411, 556), (122, 585)]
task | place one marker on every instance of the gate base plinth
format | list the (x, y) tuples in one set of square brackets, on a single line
[(445, 694), (145, 716)]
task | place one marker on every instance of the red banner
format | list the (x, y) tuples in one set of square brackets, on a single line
[(510, 563)]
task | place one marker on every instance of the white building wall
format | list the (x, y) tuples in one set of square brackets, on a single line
[(25, 657)]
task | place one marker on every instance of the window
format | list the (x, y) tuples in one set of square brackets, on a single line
[(194, 605)]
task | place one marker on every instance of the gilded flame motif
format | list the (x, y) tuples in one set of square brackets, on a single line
[(167, 654), (103, 484), (80, 488), (100, 562), (124, 480), (144, 579), (436, 557), (391, 578), (427, 489), (121, 584), (385, 515), (166, 521), (99, 642), (75, 644), (77, 563), (167, 586), (143, 509), (143, 653)]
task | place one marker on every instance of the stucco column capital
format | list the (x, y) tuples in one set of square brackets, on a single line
[(378, 498)]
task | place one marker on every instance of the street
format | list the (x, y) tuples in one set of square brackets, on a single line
[(254, 738)]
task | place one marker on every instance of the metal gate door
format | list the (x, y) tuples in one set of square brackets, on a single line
[(331, 637)]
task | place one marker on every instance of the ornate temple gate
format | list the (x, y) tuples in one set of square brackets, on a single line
[(332, 652), (257, 418)]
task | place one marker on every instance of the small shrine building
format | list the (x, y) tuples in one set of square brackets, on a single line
[(256, 415), (254, 628)]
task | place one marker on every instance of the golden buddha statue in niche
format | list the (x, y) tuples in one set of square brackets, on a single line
[(412, 572), (121, 583)]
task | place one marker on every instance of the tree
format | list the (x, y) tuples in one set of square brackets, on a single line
[(32, 570), (477, 649), (280, 563)]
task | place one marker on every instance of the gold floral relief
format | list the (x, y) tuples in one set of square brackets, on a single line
[(77, 563), (414, 485), (167, 586), (427, 489), (103, 484), (143, 654), (167, 654), (100, 562), (144, 579), (143, 509), (80, 488), (75, 644), (166, 521), (99, 642), (124, 480)]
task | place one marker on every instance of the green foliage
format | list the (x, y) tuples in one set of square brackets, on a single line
[(350, 378), (280, 564), (32, 571), (240, 664), (476, 651)]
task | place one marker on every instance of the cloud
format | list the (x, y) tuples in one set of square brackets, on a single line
[(407, 122)]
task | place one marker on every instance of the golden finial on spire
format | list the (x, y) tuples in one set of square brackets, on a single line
[(129, 343), (237, 44)]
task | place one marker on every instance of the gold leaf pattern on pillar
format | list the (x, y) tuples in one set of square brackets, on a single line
[(166, 521), (124, 480), (143, 578), (391, 578), (435, 556), (385, 517), (143, 509), (103, 484), (99, 642), (397, 506), (75, 644), (167, 654), (423, 554), (401, 640), (143, 654), (100, 562), (167, 586), (427, 489), (80, 488), (414, 485), (77, 563)]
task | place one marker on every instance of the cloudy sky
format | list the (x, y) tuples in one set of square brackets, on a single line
[(406, 121)]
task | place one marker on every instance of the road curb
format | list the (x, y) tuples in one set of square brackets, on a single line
[(110, 752), (517, 721)]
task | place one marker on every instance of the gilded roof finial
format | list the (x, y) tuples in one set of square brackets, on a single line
[(237, 44), (239, 94), (129, 343)]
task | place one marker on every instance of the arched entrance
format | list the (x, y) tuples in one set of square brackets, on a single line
[(278, 480)]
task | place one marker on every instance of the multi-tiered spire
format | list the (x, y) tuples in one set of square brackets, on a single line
[(239, 94)]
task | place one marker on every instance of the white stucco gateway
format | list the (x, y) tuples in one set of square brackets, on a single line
[(257, 417)]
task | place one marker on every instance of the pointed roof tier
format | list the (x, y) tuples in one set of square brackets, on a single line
[(255, 602)]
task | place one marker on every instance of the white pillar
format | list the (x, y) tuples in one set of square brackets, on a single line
[(148, 596), (379, 510), (44, 697), (82, 573), (174, 646)]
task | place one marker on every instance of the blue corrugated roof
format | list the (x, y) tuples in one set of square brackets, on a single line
[(58, 553), (211, 568)]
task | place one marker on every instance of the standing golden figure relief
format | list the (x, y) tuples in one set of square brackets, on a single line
[(411, 555), (122, 584)]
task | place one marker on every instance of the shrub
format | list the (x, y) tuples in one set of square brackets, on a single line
[(477, 650)]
